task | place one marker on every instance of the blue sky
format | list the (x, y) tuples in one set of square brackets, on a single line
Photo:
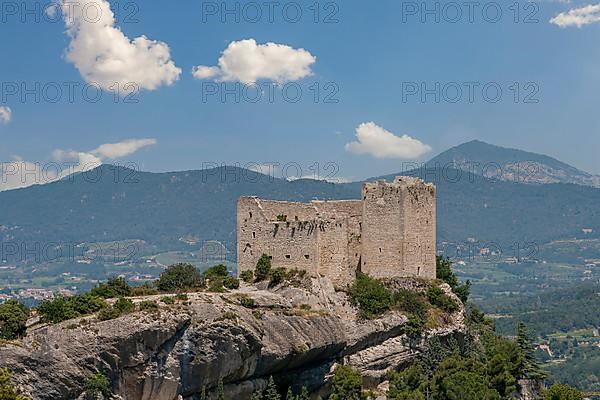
[(367, 62)]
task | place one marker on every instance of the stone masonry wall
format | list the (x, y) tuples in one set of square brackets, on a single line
[(339, 240), (419, 230), (290, 244), (382, 230), (390, 232)]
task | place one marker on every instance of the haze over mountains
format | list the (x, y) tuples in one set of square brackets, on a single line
[(114, 203)]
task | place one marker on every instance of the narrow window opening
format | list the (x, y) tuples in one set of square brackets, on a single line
[(253, 235), (380, 249), (250, 214), (288, 256), (307, 256)]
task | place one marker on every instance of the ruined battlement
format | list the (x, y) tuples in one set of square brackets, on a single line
[(389, 232)]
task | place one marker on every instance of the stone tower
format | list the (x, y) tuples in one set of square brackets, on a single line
[(398, 228)]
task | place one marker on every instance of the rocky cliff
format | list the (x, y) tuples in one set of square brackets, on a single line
[(295, 334)]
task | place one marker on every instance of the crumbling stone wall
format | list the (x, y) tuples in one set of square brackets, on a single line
[(339, 240), (291, 243), (390, 232)]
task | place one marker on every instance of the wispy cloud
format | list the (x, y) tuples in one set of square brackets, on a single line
[(578, 16), (20, 173), (380, 143), (247, 62)]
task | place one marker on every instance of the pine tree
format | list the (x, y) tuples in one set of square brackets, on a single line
[(529, 366), (290, 395), (220, 390), (257, 395), (272, 393), (304, 395)]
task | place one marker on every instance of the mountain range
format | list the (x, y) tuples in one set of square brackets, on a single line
[(511, 165), (113, 203)]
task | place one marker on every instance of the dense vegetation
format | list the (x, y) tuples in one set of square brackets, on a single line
[(443, 271), (96, 386), (483, 366), (13, 318), (562, 392)]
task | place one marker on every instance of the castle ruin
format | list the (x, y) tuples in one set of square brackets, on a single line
[(390, 232)]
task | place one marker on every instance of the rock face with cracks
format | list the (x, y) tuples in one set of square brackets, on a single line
[(295, 334)]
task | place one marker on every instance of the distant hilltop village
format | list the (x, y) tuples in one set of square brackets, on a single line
[(389, 233)]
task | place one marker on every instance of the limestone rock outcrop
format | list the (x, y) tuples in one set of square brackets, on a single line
[(293, 333)]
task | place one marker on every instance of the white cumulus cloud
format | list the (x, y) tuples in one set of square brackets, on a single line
[(20, 173), (247, 62), (578, 16), (380, 143), (5, 114), (104, 55)]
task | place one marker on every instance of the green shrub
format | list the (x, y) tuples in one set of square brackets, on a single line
[(230, 282), (168, 300), (108, 313), (247, 302), (263, 268), (7, 390), (56, 310), (13, 320), (148, 306), (64, 308), (370, 296), (347, 384), (443, 271), (258, 314), (179, 277), (562, 392), (229, 315), (247, 276), (408, 384), (415, 306), (96, 385), (276, 276), (181, 297), (147, 289), (124, 306), (438, 298), (216, 286), (85, 304), (218, 271), (115, 287)]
